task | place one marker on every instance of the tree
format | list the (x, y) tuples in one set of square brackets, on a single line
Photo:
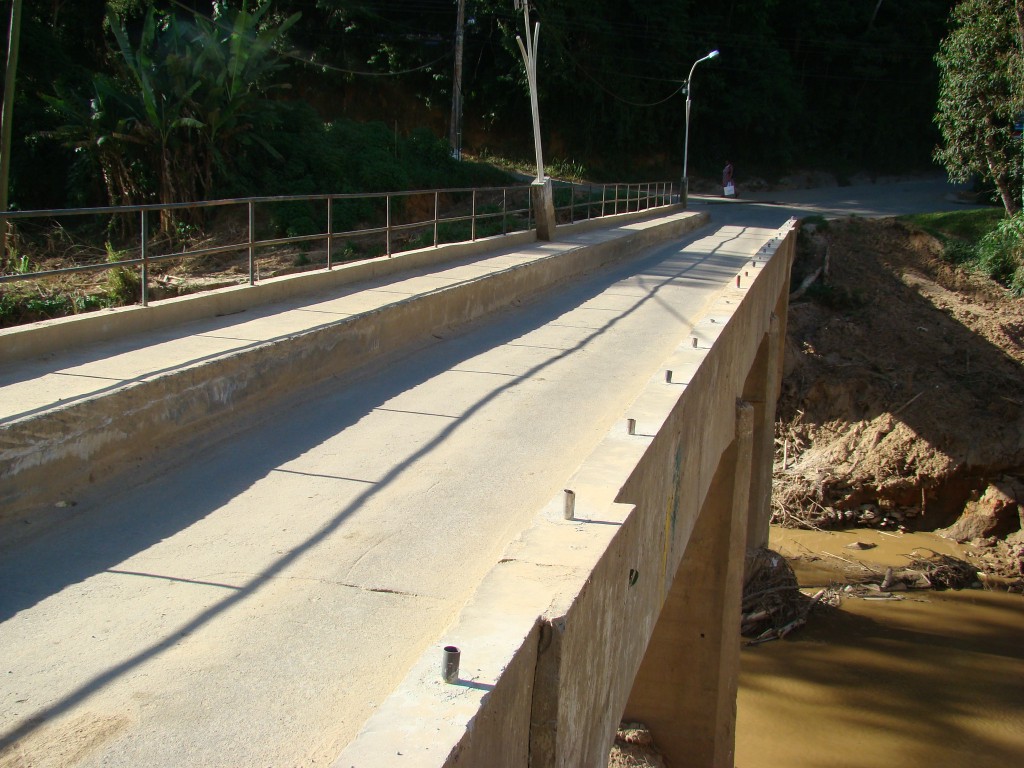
[(981, 94), (185, 95)]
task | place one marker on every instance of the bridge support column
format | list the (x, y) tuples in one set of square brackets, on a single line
[(685, 690), (543, 196), (761, 390)]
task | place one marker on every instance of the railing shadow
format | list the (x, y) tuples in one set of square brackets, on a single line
[(106, 536)]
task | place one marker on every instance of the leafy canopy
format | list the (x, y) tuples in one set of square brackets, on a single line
[(981, 95)]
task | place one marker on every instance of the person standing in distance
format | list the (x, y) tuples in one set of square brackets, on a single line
[(728, 186)]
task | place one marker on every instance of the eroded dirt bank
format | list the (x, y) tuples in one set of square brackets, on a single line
[(902, 406)]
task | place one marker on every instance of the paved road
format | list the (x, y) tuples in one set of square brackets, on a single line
[(252, 604), (925, 195)]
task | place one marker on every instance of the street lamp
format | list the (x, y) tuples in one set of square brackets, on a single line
[(684, 188)]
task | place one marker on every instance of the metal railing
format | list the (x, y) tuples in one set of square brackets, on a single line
[(581, 202), (383, 223)]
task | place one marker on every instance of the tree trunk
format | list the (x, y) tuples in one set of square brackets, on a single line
[(1002, 183)]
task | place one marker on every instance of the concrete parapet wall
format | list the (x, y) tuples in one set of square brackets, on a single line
[(45, 456), (584, 619), (48, 336), (45, 337)]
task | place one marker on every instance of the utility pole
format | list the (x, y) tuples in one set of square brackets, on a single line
[(455, 131), (8, 108), (6, 117), (541, 193), (529, 52)]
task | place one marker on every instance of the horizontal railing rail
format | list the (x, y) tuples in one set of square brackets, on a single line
[(579, 202), (391, 222)]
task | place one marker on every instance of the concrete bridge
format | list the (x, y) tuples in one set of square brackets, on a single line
[(240, 529)]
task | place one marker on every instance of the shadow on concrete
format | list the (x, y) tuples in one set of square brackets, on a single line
[(98, 539)]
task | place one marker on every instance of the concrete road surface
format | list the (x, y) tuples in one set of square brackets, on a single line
[(923, 195), (253, 603)]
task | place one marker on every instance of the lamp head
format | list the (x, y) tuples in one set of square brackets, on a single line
[(712, 54)]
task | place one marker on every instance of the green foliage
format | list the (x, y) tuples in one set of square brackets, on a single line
[(185, 95), (567, 170), (8, 310), (183, 107), (967, 225), (123, 283), (984, 240), (1000, 253), (17, 308), (982, 93), (16, 264), (305, 156), (957, 231)]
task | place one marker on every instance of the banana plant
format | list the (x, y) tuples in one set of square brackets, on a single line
[(188, 95)]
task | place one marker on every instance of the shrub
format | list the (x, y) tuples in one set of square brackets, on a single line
[(1000, 253), (123, 283)]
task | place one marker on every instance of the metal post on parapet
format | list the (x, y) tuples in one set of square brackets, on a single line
[(541, 192)]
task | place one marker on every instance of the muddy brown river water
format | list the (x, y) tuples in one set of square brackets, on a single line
[(933, 680)]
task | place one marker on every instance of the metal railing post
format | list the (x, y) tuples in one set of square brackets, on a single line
[(144, 254), (330, 229), (653, 194), (252, 243)]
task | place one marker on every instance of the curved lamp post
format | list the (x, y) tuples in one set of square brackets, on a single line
[(684, 189)]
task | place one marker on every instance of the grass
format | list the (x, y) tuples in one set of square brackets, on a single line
[(557, 168), (969, 226), (982, 240)]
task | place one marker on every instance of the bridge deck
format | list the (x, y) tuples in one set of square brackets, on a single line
[(253, 602)]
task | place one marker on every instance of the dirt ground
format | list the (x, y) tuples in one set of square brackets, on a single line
[(902, 405)]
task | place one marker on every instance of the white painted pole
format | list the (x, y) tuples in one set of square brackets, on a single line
[(529, 52)]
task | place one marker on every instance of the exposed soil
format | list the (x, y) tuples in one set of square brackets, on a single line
[(634, 748), (902, 405)]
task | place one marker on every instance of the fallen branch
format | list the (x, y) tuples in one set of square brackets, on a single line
[(809, 280)]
